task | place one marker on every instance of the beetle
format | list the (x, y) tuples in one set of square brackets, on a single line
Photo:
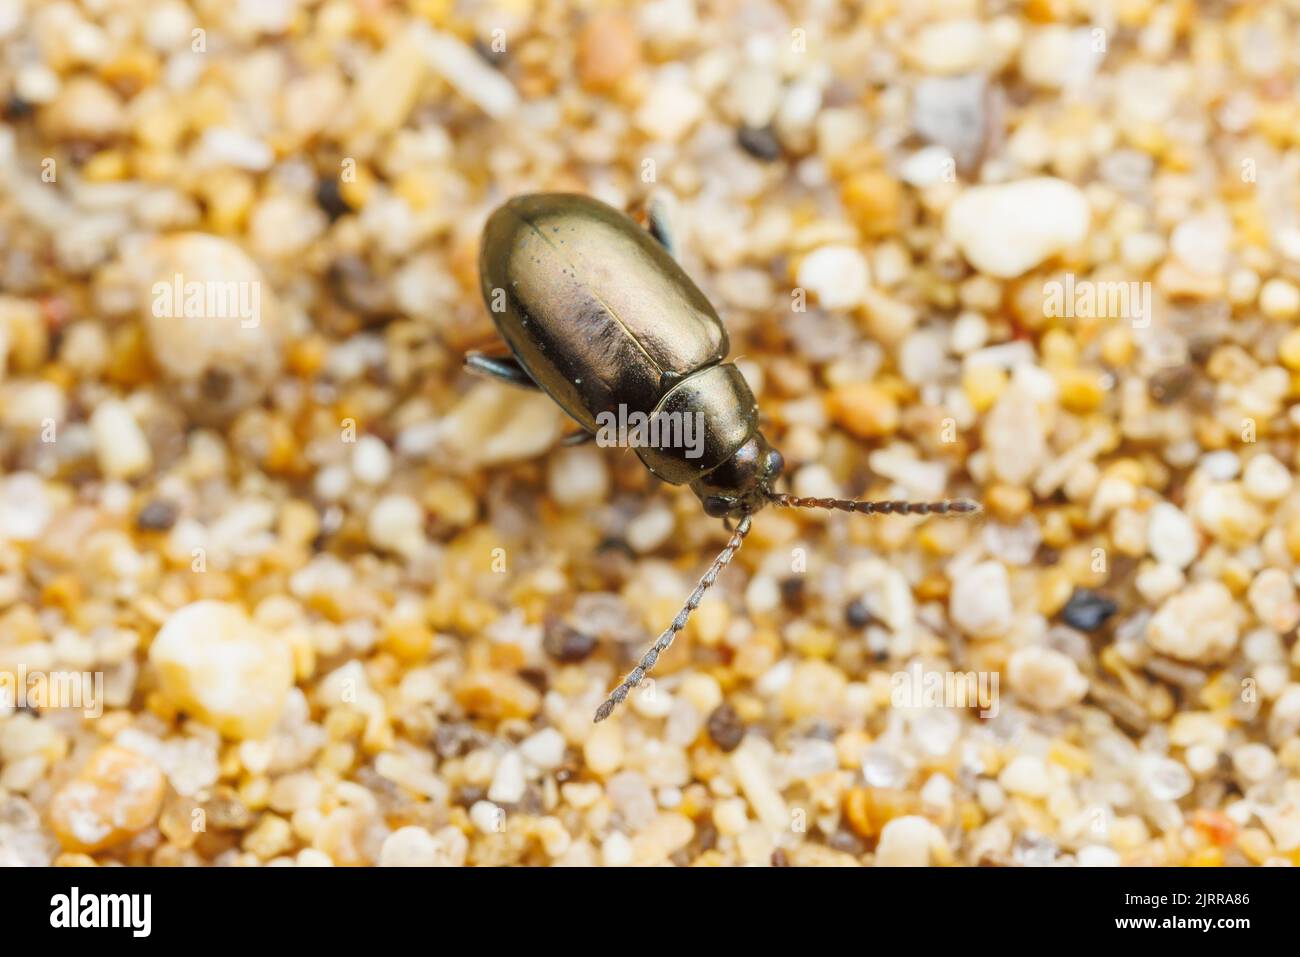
[(598, 314)]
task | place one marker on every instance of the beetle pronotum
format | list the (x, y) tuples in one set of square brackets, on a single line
[(598, 314)]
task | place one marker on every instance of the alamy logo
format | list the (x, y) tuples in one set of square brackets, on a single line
[(210, 299), (74, 909), (1098, 299), (659, 430), (918, 688), (64, 690)]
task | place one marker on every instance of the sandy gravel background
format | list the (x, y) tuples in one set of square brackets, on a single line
[(336, 602)]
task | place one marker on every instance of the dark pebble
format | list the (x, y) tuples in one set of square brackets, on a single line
[(216, 385), (725, 727), (1167, 386), (1046, 556), (330, 199), (158, 516), (1088, 611), (16, 108), (856, 614), (536, 677), (792, 593), (706, 834), (617, 545), (759, 142), (567, 644)]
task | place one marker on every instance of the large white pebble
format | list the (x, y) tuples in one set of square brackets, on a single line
[(1008, 229), (1171, 536), (907, 842), (981, 600), (216, 664), (836, 275), (396, 524), (950, 46), (214, 324), (578, 476), (120, 445), (494, 424), (409, 847), (1046, 678), (1199, 624)]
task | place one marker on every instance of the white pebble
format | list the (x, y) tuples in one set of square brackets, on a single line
[(1015, 436), (907, 842), (487, 817), (222, 146), (1026, 775), (927, 166), (577, 477), (1046, 678), (1221, 466), (1202, 242), (1096, 855), (1156, 581), (1199, 624), (836, 275), (1266, 479), (1056, 56), (544, 750), (650, 529), (1255, 762), (951, 46), (396, 524), (1005, 230), (815, 481), (472, 76), (508, 783), (1280, 299), (409, 847), (120, 444), (730, 816), (1272, 598), (970, 331), (616, 851), (25, 508), (750, 765), (1171, 536), (372, 463), (981, 600), (215, 663), (494, 424), (670, 109)]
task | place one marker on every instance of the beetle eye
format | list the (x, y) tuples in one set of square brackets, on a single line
[(773, 464), (717, 506)]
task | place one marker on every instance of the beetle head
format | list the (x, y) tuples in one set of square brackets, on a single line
[(742, 484)]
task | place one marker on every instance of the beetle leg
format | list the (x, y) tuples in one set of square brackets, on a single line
[(503, 368), (659, 219), (578, 438)]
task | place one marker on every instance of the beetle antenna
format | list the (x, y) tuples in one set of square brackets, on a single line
[(637, 674), (958, 506)]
